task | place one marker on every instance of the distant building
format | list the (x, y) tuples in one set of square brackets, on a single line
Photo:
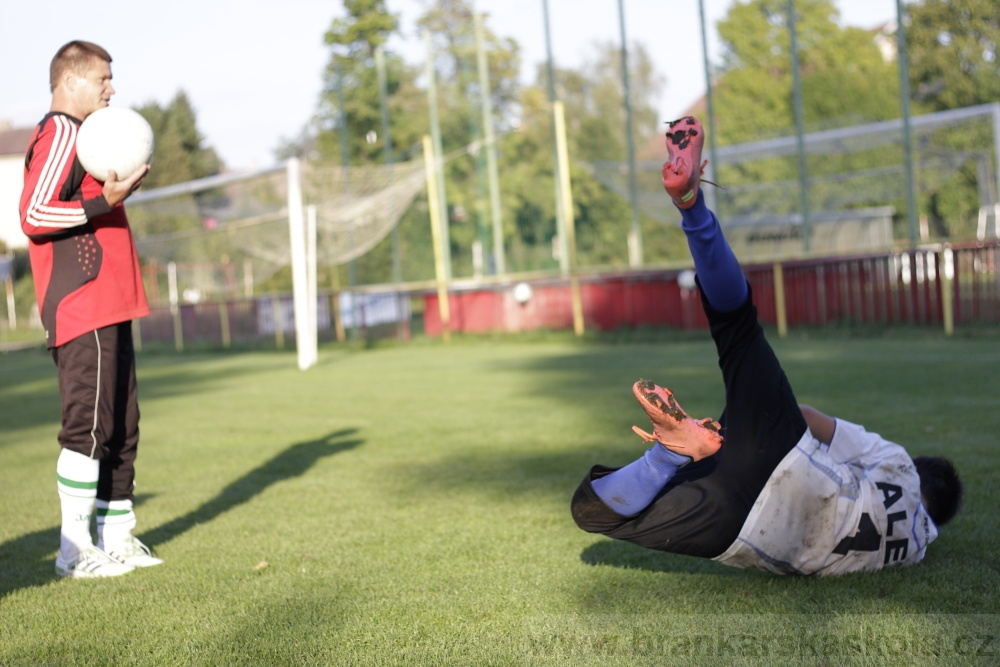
[(13, 144)]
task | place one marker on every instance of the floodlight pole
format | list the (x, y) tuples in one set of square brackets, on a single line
[(561, 212), (345, 161), (799, 129), (442, 199), (491, 151), (566, 193), (444, 309), (345, 158), (996, 152), (383, 95), (635, 238), (904, 99), (710, 124)]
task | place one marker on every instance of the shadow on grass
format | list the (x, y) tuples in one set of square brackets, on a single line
[(292, 462), (26, 561), (616, 553)]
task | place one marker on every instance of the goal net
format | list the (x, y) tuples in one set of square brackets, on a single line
[(227, 234)]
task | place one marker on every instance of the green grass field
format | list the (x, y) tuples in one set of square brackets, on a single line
[(408, 505)]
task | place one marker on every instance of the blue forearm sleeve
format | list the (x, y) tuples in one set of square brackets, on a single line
[(718, 270), (629, 490)]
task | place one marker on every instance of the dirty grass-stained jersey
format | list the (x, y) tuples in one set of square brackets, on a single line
[(83, 256), (854, 506)]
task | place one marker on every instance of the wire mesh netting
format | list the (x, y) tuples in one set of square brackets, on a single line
[(226, 234), (856, 182)]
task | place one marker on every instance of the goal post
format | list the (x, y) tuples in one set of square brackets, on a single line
[(231, 236), (305, 340)]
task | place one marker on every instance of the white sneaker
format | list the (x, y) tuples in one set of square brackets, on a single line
[(91, 562), (132, 552)]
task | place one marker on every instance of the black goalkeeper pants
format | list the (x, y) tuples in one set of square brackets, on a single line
[(702, 509), (100, 407)]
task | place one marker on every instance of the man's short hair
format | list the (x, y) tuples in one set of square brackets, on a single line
[(77, 56), (940, 487)]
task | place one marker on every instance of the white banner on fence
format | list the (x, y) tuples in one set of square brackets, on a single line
[(371, 309)]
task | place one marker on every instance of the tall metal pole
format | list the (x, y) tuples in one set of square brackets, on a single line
[(444, 308), (996, 151), (491, 150), (799, 128), (565, 191), (479, 162), (383, 94), (710, 121), (904, 99), (442, 199), (345, 160), (344, 152), (560, 205), (635, 237)]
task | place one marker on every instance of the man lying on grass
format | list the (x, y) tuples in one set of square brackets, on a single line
[(772, 484)]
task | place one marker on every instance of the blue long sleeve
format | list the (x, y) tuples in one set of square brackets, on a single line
[(718, 270), (629, 490)]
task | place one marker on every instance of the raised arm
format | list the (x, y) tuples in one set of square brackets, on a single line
[(822, 426)]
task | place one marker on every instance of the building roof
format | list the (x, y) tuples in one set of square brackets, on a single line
[(14, 141)]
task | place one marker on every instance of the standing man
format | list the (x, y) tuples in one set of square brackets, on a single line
[(771, 485), (89, 289)]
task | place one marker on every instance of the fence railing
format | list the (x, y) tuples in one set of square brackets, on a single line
[(938, 286), (935, 285), (270, 320)]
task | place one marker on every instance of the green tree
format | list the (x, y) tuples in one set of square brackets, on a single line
[(844, 77), (179, 154), (953, 57), (450, 25), (845, 81), (593, 98), (953, 52), (351, 76)]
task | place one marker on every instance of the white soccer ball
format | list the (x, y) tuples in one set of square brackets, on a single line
[(114, 139), (522, 293), (685, 279)]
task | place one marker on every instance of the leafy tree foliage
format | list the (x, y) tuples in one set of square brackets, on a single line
[(450, 25), (953, 58), (522, 120), (351, 78), (954, 52), (844, 77), (845, 80), (593, 97), (179, 154)]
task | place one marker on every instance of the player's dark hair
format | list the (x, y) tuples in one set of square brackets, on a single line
[(76, 56), (940, 487)]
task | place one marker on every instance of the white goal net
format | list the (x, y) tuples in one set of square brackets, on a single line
[(225, 235)]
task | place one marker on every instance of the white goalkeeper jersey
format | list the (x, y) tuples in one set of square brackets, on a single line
[(852, 506)]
